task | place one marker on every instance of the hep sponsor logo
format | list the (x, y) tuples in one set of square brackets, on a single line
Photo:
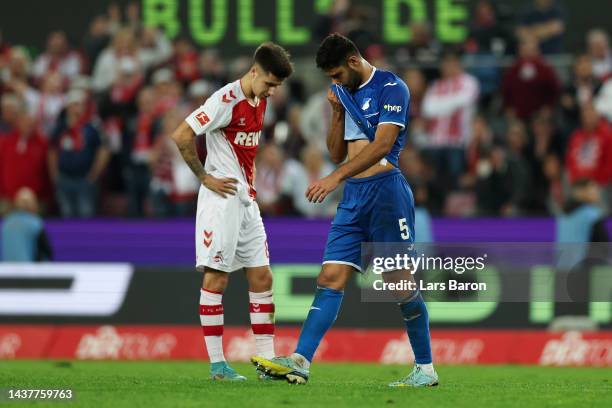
[(9, 344), (107, 343), (202, 118), (249, 139), (573, 350), (393, 108)]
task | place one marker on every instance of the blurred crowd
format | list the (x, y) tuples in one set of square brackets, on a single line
[(498, 127)]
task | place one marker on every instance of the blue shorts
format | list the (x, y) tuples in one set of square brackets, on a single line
[(379, 208)]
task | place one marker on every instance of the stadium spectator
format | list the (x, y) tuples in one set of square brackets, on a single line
[(294, 142), (558, 185), (530, 83), (545, 139), (480, 143), (416, 82), (603, 100), (487, 40), (419, 174), (584, 219), (173, 185), (23, 234), (315, 119), (23, 161), (297, 176), (77, 158), (168, 92), (500, 185), (133, 19), (546, 22), (212, 68), (449, 106), (59, 58), (11, 106), (96, 39), (589, 154), (143, 131), (422, 49), (184, 61), (16, 73), (332, 21), (45, 105), (83, 83), (270, 166), (598, 48), (153, 49), (487, 35), (580, 91), (198, 92)]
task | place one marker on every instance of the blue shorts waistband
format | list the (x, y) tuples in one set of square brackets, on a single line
[(378, 176)]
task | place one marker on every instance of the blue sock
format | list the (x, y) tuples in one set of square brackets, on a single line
[(416, 320), (321, 316)]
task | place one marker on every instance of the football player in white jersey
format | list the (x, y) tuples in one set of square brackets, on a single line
[(229, 231)]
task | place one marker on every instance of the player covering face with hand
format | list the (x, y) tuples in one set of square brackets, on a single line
[(369, 124), (229, 231)]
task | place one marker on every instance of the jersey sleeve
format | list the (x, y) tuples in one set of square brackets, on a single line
[(214, 114), (394, 104)]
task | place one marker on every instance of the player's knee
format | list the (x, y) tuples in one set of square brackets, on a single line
[(215, 281), (331, 278), (261, 281)]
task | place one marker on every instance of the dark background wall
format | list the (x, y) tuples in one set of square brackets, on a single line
[(28, 21)]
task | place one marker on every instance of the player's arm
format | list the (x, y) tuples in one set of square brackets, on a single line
[(336, 144), (197, 123), (373, 153), (395, 100)]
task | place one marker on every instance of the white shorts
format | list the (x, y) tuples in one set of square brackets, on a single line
[(230, 234)]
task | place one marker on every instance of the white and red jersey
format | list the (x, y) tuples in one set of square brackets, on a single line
[(449, 106), (233, 127)]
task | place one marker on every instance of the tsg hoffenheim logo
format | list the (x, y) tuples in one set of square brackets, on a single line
[(366, 104), (393, 108)]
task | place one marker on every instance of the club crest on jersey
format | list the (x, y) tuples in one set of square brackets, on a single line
[(241, 122), (202, 118), (366, 104), (247, 139)]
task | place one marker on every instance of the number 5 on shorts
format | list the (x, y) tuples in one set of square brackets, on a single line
[(404, 229)]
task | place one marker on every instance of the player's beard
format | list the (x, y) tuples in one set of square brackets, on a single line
[(354, 80)]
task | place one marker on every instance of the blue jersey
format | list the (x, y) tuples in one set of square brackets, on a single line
[(384, 98), (378, 208)]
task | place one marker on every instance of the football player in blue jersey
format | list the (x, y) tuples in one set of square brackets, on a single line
[(369, 126)]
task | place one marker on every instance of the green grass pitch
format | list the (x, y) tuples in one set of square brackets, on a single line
[(186, 384)]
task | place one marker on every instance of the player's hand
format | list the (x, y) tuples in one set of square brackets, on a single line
[(320, 189), (221, 186), (334, 102)]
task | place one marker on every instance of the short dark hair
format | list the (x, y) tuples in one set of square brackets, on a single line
[(274, 59), (334, 51)]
